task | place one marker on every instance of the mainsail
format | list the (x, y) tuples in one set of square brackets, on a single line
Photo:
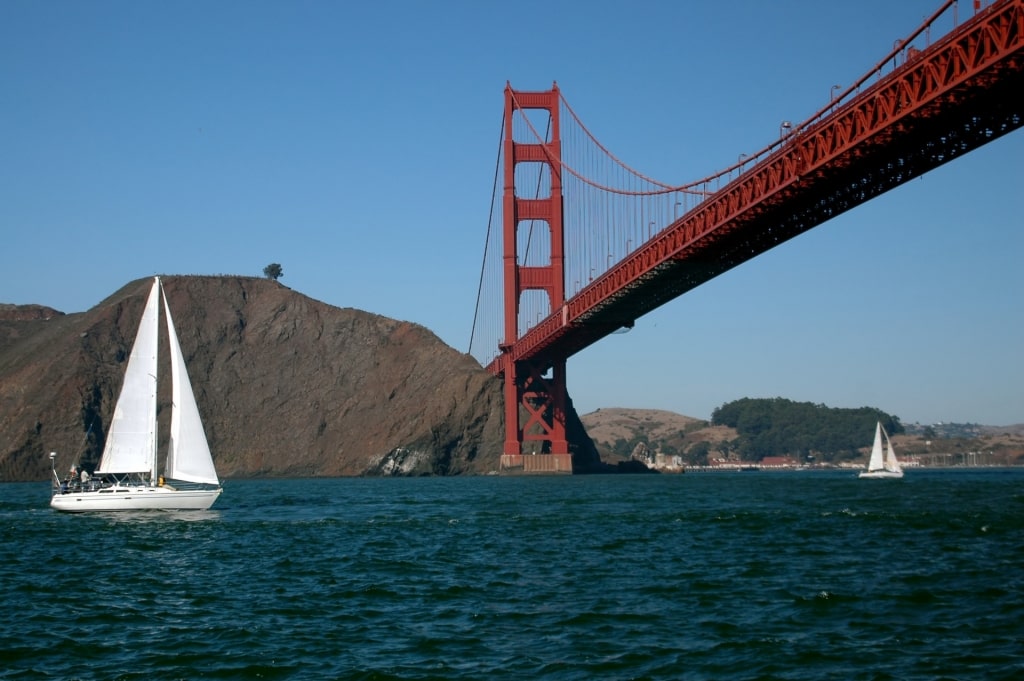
[(131, 440), (876, 461)]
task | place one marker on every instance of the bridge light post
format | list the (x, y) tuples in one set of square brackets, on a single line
[(740, 161), (650, 228), (675, 210), (784, 128)]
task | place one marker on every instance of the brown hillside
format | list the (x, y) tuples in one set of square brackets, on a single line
[(657, 428), (287, 385), (10, 312), (606, 425)]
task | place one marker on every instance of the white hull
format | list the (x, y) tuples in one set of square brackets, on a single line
[(880, 474), (135, 498)]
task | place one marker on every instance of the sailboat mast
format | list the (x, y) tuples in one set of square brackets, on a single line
[(156, 385)]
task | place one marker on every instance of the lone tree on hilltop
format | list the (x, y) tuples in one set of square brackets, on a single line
[(273, 271)]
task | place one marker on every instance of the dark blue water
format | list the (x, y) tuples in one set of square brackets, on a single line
[(750, 575)]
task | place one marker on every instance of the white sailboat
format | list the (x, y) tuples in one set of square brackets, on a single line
[(126, 478), (882, 465)]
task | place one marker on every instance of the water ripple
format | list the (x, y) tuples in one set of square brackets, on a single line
[(787, 576)]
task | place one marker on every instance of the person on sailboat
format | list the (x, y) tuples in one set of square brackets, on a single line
[(68, 481)]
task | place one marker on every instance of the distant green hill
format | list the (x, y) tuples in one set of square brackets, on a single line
[(781, 427)]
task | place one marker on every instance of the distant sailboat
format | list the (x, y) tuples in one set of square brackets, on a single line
[(126, 478), (882, 465)]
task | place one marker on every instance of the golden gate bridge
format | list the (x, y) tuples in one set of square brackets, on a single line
[(580, 245)]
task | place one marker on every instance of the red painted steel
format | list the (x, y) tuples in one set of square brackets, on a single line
[(954, 96), (530, 392)]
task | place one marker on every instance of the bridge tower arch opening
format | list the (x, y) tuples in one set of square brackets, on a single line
[(534, 265)]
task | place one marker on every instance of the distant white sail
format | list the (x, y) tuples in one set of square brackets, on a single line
[(882, 465), (891, 463)]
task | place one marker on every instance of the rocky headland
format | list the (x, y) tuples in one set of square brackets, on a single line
[(286, 385)]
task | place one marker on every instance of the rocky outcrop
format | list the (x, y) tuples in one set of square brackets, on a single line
[(287, 386)]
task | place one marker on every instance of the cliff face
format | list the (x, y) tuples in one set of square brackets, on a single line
[(287, 385)]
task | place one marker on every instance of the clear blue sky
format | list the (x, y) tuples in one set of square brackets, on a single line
[(355, 144)]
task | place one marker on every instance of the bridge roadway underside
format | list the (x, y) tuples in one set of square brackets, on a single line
[(889, 158)]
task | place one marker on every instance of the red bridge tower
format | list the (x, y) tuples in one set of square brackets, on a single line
[(535, 392)]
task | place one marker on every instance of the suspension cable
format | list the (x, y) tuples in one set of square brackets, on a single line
[(487, 240), (663, 188)]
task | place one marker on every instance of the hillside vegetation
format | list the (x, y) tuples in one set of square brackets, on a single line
[(802, 430)]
